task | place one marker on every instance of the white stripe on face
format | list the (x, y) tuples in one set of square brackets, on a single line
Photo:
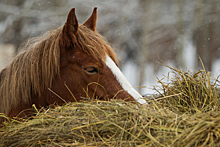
[(123, 81)]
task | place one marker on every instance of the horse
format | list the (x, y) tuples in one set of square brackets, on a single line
[(68, 64)]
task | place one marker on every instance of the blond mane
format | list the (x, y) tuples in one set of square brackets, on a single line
[(95, 44), (35, 68)]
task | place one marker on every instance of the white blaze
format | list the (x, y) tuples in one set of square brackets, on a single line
[(123, 81)]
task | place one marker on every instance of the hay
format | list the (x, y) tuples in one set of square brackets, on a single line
[(190, 92), (96, 123), (186, 113)]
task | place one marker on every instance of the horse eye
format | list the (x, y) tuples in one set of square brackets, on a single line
[(91, 70)]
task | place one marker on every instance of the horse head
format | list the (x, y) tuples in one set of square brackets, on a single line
[(71, 63), (88, 67)]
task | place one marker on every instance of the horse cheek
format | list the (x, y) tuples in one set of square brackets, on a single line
[(112, 86)]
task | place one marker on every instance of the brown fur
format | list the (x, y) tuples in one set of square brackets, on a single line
[(47, 62), (94, 44)]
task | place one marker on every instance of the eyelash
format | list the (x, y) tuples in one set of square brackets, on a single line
[(91, 70)]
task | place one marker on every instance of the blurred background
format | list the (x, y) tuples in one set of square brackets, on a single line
[(144, 32)]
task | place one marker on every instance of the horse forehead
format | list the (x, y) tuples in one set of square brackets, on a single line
[(79, 54), (85, 58), (123, 81)]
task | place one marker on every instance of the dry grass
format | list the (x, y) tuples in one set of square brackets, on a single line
[(190, 92), (186, 113)]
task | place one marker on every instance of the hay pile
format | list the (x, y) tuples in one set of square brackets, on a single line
[(186, 113), (191, 93)]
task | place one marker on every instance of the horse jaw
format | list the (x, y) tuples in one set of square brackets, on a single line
[(123, 81)]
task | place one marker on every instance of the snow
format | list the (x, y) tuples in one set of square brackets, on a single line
[(131, 26)]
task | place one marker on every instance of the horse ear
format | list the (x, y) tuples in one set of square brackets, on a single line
[(70, 29), (71, 23), (91, 22)]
